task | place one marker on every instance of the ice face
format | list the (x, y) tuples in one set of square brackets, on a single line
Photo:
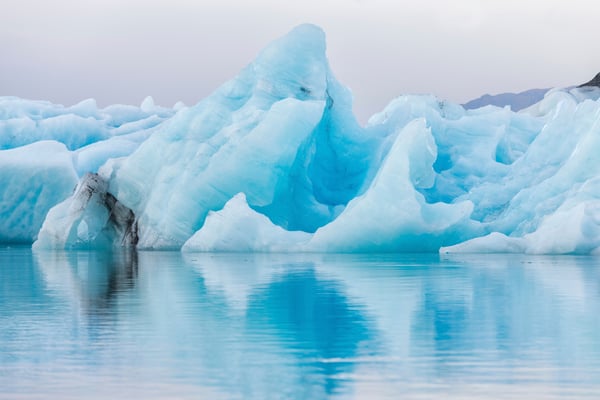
[(33, 178), (282, 133), (45, 148), (237, 228), (406, 222), (274, 160)]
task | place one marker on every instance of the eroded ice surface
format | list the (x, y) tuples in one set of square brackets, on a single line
[(274, 160)]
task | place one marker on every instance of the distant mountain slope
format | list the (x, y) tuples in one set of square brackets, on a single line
[(516, 101), (519, 101), (593, 82)]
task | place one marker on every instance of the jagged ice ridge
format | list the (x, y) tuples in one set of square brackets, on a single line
[(274, 160)]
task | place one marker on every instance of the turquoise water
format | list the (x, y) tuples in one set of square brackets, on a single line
[(165, 325)]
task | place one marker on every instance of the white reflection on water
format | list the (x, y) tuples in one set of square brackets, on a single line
[(167, 325)]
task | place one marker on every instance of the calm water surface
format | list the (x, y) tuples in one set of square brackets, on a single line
[(157, 325)]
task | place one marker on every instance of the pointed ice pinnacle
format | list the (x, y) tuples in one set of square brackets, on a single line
[(283, 115)]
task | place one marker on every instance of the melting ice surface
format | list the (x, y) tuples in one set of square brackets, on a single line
[(274, 160)]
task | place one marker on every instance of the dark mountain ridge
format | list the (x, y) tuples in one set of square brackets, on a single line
[(594, 82)]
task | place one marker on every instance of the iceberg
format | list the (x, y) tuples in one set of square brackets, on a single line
[(282, 132), (33, 178), (46, 148), (238, 228), (275, 161)]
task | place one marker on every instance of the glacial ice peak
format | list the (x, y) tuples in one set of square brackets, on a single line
[(274, 160), (294, 65)]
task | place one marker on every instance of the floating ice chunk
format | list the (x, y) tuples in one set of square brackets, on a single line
[(572, 229), (238, 228), (495, 242), (33, 179), (90, 218)]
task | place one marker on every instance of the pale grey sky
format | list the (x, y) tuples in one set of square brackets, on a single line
[(119, 51)]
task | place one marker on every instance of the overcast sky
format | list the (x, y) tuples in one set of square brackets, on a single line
[(119, 51)]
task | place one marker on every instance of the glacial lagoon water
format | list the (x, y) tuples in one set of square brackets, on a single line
[(166, 325)]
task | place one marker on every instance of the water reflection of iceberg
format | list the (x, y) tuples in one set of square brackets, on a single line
[(92, 278), (315, 320), (250, 325), (516, 318), (315, 326), (289, 308)]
